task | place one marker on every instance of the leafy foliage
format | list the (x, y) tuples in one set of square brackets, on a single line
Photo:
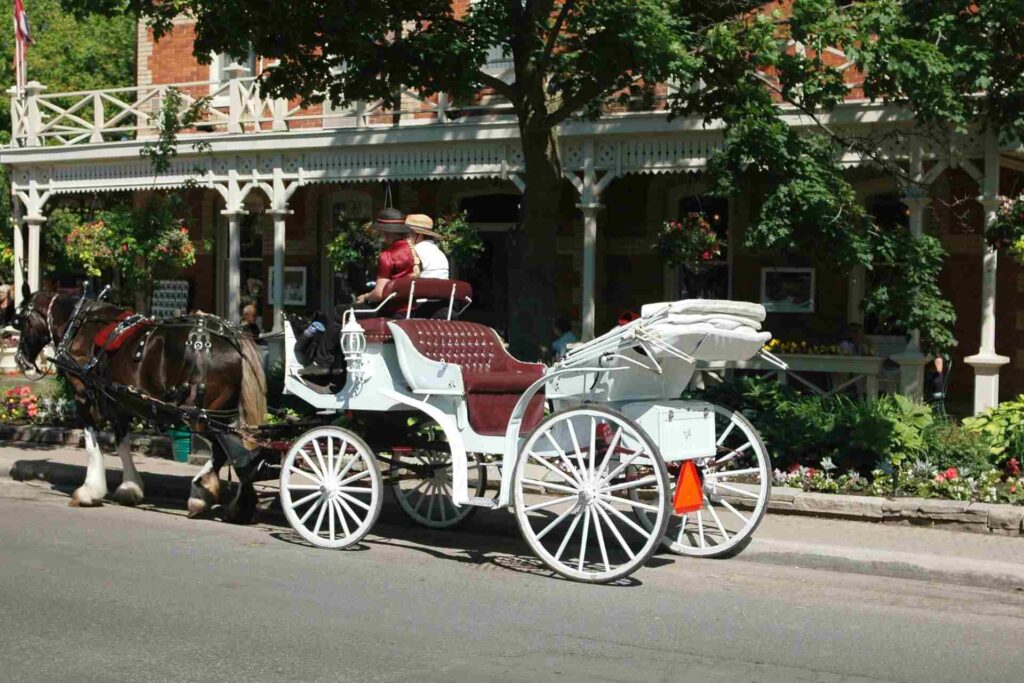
[(459, 240), (1002, 428), (354, 245), (1006, 232)]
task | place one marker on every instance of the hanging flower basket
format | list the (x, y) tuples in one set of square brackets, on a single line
[(1006, 232), (689, 243)]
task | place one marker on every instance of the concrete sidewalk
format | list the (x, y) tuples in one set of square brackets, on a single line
[(901, 551)]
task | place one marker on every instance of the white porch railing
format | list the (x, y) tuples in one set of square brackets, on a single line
[(233, 106)]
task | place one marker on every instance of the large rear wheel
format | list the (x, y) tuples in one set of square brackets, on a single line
[(572, 484)]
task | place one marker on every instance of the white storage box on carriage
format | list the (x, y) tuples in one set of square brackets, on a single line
[(682, 430)]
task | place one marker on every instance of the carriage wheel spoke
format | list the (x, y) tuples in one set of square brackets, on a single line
[(615, 532), (560, 473), (355, 477), (726, 433), (444, 504), (644, 481), (682, 529), (583, 542), (735, 490), (341, 517), (305, 499), (348, 465), (576, 446), (622, 466), (718, 522), (555, 523), (728, 506), (433, 500), (310, 511), (568, 535), (307, 475), (352, 513), (734, 453), (700, 530), (612, 445), (630, 523), (422, 495), (352, 499), (627, 501), (320, 459), (550, 503), (600, 539), (549, 485), (312, 466), (302, 487), (573, 471), (593, 450), (319, 520), (330, 520)]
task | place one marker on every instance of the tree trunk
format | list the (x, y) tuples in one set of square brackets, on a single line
[(533, 259)]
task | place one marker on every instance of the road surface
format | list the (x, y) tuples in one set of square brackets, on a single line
[(128, 594)]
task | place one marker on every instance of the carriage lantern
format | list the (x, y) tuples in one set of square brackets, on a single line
[(353, 344)]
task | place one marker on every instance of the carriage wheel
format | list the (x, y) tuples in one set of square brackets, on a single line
[(423, 487), (737, 484), (571, 484), (331, 488)]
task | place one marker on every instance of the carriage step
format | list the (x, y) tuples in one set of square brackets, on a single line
[(483, 502)]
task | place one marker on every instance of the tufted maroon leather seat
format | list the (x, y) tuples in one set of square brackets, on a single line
[(493, 379), (376, 330)]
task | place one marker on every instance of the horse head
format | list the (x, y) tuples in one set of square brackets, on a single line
[(38, 319)]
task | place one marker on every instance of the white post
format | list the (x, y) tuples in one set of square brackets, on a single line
[(234, 264), (986, 362), (236, 103), (34, 222), (33, 118), (278, 291), (97, 118), (589, 267), (19, 251)]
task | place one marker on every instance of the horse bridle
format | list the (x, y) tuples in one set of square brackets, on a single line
[(48, 321)]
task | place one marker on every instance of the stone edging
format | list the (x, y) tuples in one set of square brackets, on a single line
[(951, 514)]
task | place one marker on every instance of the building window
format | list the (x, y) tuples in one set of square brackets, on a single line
[(714, 283), (219, 73)]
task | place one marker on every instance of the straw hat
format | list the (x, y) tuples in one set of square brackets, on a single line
[(421, 224), (390, 220)]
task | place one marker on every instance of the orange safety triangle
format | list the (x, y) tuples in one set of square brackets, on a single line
[(689, 496)]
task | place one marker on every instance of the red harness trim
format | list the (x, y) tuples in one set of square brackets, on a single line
[(102, 338)]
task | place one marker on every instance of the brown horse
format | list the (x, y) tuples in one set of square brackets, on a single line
[(197, 362)]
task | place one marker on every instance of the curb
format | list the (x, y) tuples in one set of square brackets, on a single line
[(153, 445), (959, 515)]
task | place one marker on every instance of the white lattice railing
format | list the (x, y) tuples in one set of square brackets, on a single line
[(233, 106)]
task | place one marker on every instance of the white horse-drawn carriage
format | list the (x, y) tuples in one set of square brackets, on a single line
[(597, 457)]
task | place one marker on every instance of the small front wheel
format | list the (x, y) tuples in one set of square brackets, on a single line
[(331, 487), (572, 484), (422, 486)]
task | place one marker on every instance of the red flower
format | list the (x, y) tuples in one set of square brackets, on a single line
[(1013, 489), (951, 473), (1013, 467), (706, 256), (811, 472)]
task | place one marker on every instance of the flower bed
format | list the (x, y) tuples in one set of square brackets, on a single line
[(20, 406)]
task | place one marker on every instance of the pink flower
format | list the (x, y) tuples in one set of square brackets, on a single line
[(939, 479), (1013, 489), (951, 473)]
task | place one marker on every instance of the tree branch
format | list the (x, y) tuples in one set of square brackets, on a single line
[(576, 102), (506, 90), (555, 31)]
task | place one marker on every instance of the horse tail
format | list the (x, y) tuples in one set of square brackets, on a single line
[(253, 407)]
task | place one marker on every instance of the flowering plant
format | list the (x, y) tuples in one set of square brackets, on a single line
[(1006, 232), (18, 404), (459, 240), (91, 244), (780, 346), (689, 243)]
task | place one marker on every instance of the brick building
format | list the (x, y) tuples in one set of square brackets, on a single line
[(279, 177)]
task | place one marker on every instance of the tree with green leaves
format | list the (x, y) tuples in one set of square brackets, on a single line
[(951, 62), (68, 54)]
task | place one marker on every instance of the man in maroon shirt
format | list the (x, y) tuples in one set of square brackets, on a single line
[(397, 260)]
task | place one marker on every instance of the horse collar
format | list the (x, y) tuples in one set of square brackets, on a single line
[(49, 320)]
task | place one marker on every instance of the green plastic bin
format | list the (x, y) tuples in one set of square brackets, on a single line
[(181, 443)]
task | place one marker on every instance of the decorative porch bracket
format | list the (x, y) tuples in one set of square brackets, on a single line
[(31, 200), (279, 191)]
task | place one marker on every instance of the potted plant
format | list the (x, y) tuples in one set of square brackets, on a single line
[(691, 245), (1006, 232)]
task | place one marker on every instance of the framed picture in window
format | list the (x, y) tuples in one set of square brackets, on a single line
[(294, 286), (787, 290)]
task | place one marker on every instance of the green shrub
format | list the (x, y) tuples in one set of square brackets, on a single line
[(1002, 429), (949, 445)]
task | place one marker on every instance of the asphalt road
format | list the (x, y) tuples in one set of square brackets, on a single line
[(120, 594)]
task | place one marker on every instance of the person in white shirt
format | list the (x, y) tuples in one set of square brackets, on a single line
[(433, 262)]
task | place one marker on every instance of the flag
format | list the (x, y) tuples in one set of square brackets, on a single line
[(22, 40)]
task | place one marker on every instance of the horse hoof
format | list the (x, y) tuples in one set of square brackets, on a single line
[(197, 507), (82, 498), (128, 493)]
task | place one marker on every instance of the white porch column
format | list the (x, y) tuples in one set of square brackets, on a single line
[(986, 362), (19, 252), (278, 291), (234, 276), (34, 223), (589, 267)]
